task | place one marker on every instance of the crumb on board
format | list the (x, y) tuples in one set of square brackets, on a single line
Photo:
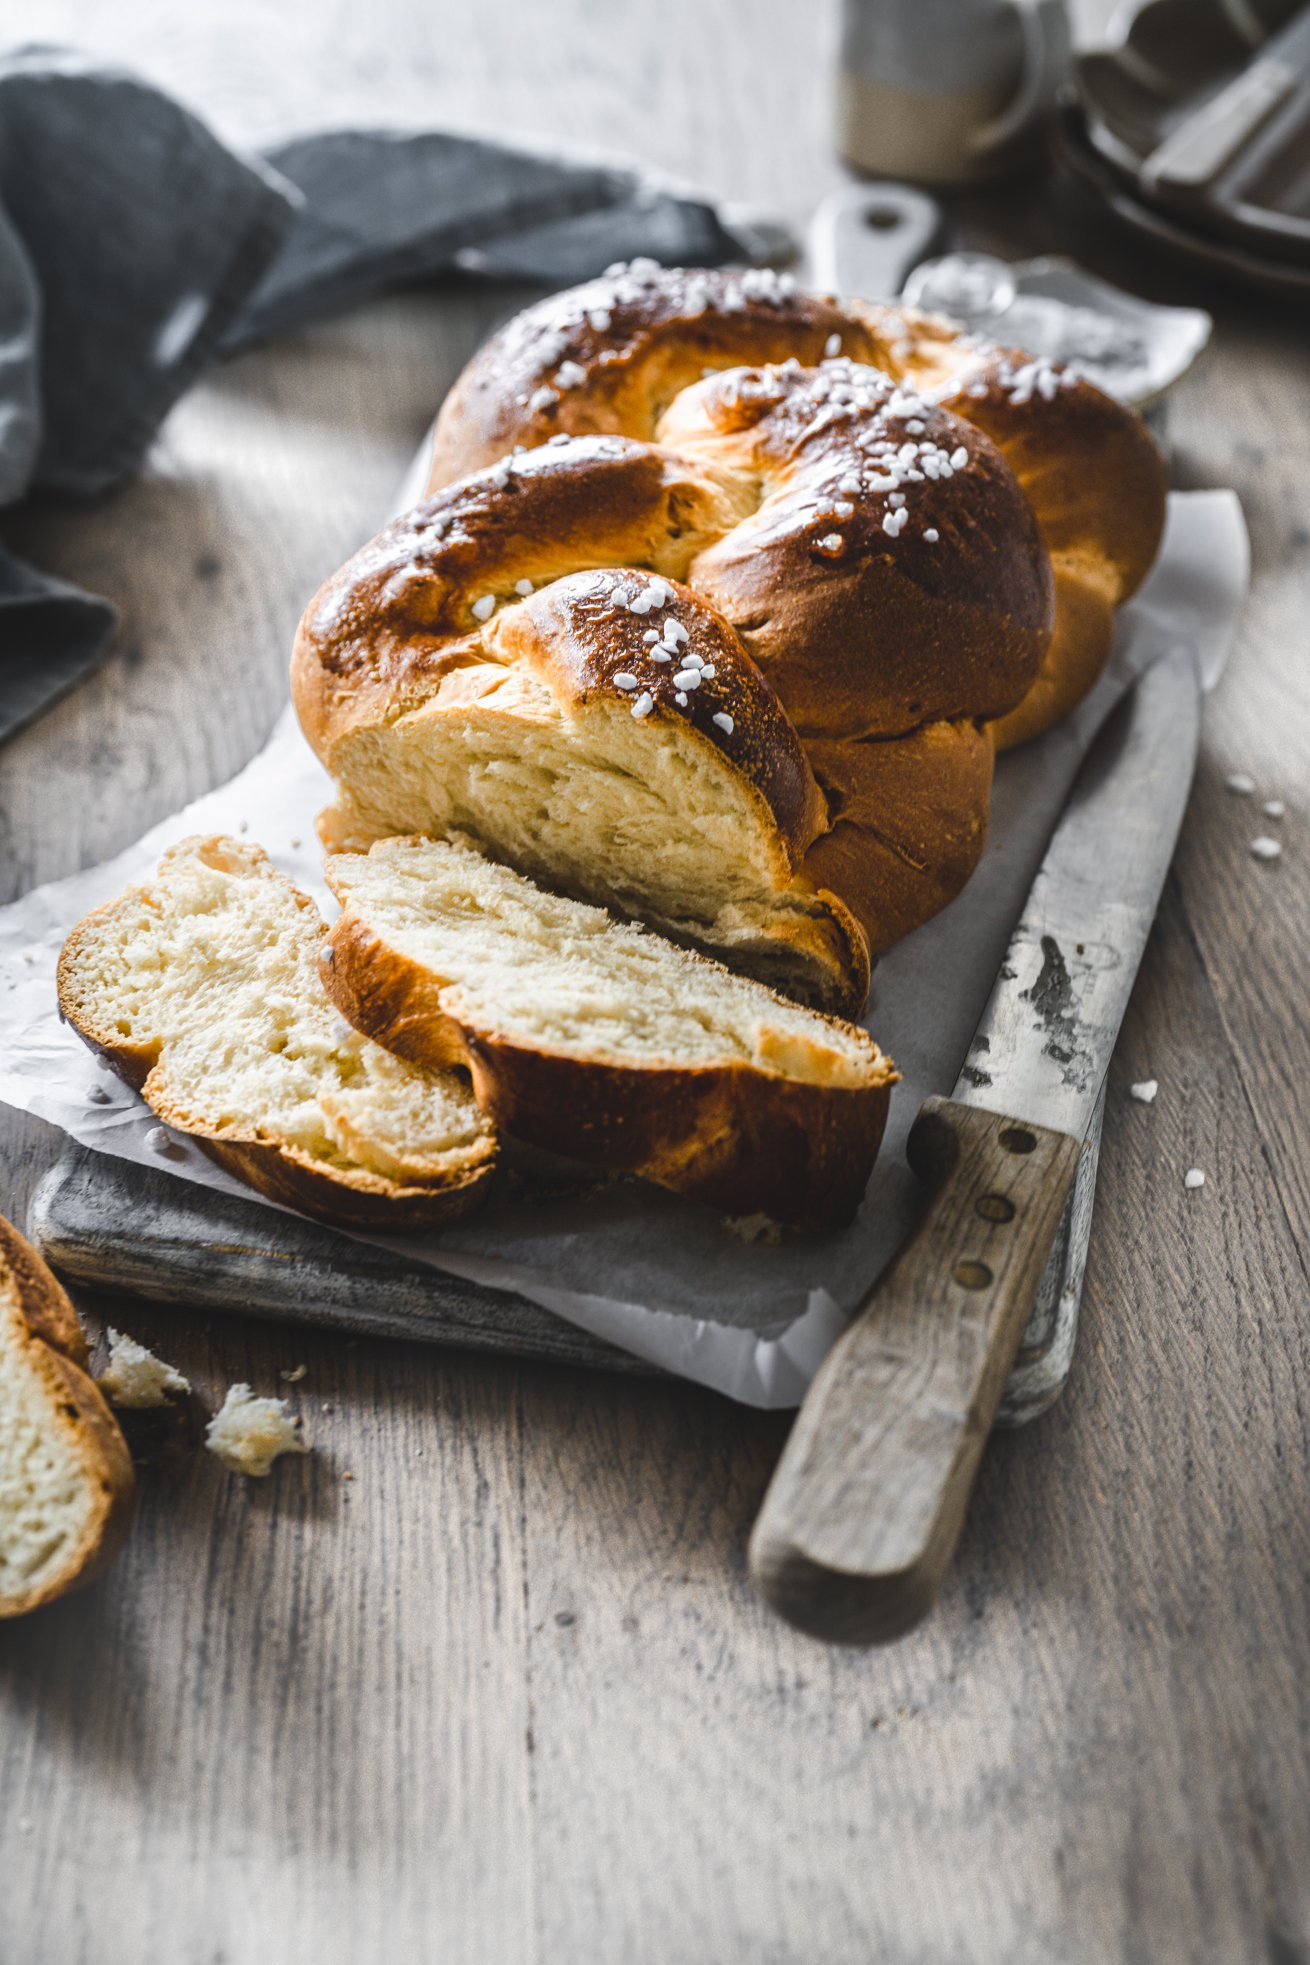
[(1193, 1178), (1265, 848), (248, 1433), (1145, 1091), (1273, 808), (751, 1227), (1240, 782), (135, 1378), (292, 1375)]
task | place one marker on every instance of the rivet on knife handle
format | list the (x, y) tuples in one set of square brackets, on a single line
[(867, 1502)]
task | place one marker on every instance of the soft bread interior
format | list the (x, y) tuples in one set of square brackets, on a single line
[(664, 831), (553, 974), (51, 1504), (208, 979)]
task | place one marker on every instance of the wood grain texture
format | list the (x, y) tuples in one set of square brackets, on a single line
[(508, 1694), (122, 1228), (866, 1504)]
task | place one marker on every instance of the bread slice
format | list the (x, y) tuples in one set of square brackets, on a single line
[(201, 989), (596, 1038), (66, 1483)]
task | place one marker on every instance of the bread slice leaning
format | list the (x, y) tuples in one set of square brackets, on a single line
[(201, 989), (598, 1039), (66, 1483)]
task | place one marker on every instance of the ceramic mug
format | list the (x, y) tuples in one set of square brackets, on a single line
[(947, 91)]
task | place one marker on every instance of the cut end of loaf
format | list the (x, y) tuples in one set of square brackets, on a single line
[(658, 777)]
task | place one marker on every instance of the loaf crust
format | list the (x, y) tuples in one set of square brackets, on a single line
[(638, 336), (54, 1349), (908, 823)]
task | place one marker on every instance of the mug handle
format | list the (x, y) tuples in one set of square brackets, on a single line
[(1047, 50)]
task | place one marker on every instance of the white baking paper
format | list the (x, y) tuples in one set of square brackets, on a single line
[(657, 1275)]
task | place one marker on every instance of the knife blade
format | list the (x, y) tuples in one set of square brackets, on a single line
[(1044, 1041), (866, 1505)]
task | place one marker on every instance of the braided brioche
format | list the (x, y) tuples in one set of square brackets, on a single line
[(721, 600)]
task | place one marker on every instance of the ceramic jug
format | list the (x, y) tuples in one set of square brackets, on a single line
[(947, 91)]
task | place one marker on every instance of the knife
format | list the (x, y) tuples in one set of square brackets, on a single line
[(866, 1505)]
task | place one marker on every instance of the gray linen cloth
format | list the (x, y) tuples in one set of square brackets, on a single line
[(136, 247)]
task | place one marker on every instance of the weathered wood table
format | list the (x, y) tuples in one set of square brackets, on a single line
[(481, 1679)]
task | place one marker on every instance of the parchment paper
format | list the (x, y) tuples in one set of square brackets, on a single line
[(657, 1275)]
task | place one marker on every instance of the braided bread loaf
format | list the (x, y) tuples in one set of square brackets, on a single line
[(721, 599)]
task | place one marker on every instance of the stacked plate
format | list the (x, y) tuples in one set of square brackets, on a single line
[(1194, 126)]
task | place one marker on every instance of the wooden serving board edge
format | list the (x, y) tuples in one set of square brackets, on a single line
[(115, 1226)]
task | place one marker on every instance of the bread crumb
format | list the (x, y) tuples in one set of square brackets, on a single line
[(294, 1376), (1146, 1091), (248, 1434), (1265, 848), (751, 1227), (1193, 1178), (135, 1378), (1273, 808), (1240, 782)]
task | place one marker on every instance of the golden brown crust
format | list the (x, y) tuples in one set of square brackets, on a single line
[(1096, 480), (636, 337), (46, 1306), (1089, 466), (1084, 629), (735, 1137), (56, 1351), (862, 630), (909, 822), (379, 635), (353, 1196)]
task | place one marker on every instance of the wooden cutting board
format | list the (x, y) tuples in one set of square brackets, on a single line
[(121, 1227)]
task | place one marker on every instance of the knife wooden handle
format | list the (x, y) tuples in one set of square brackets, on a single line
[(866, 1505)]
